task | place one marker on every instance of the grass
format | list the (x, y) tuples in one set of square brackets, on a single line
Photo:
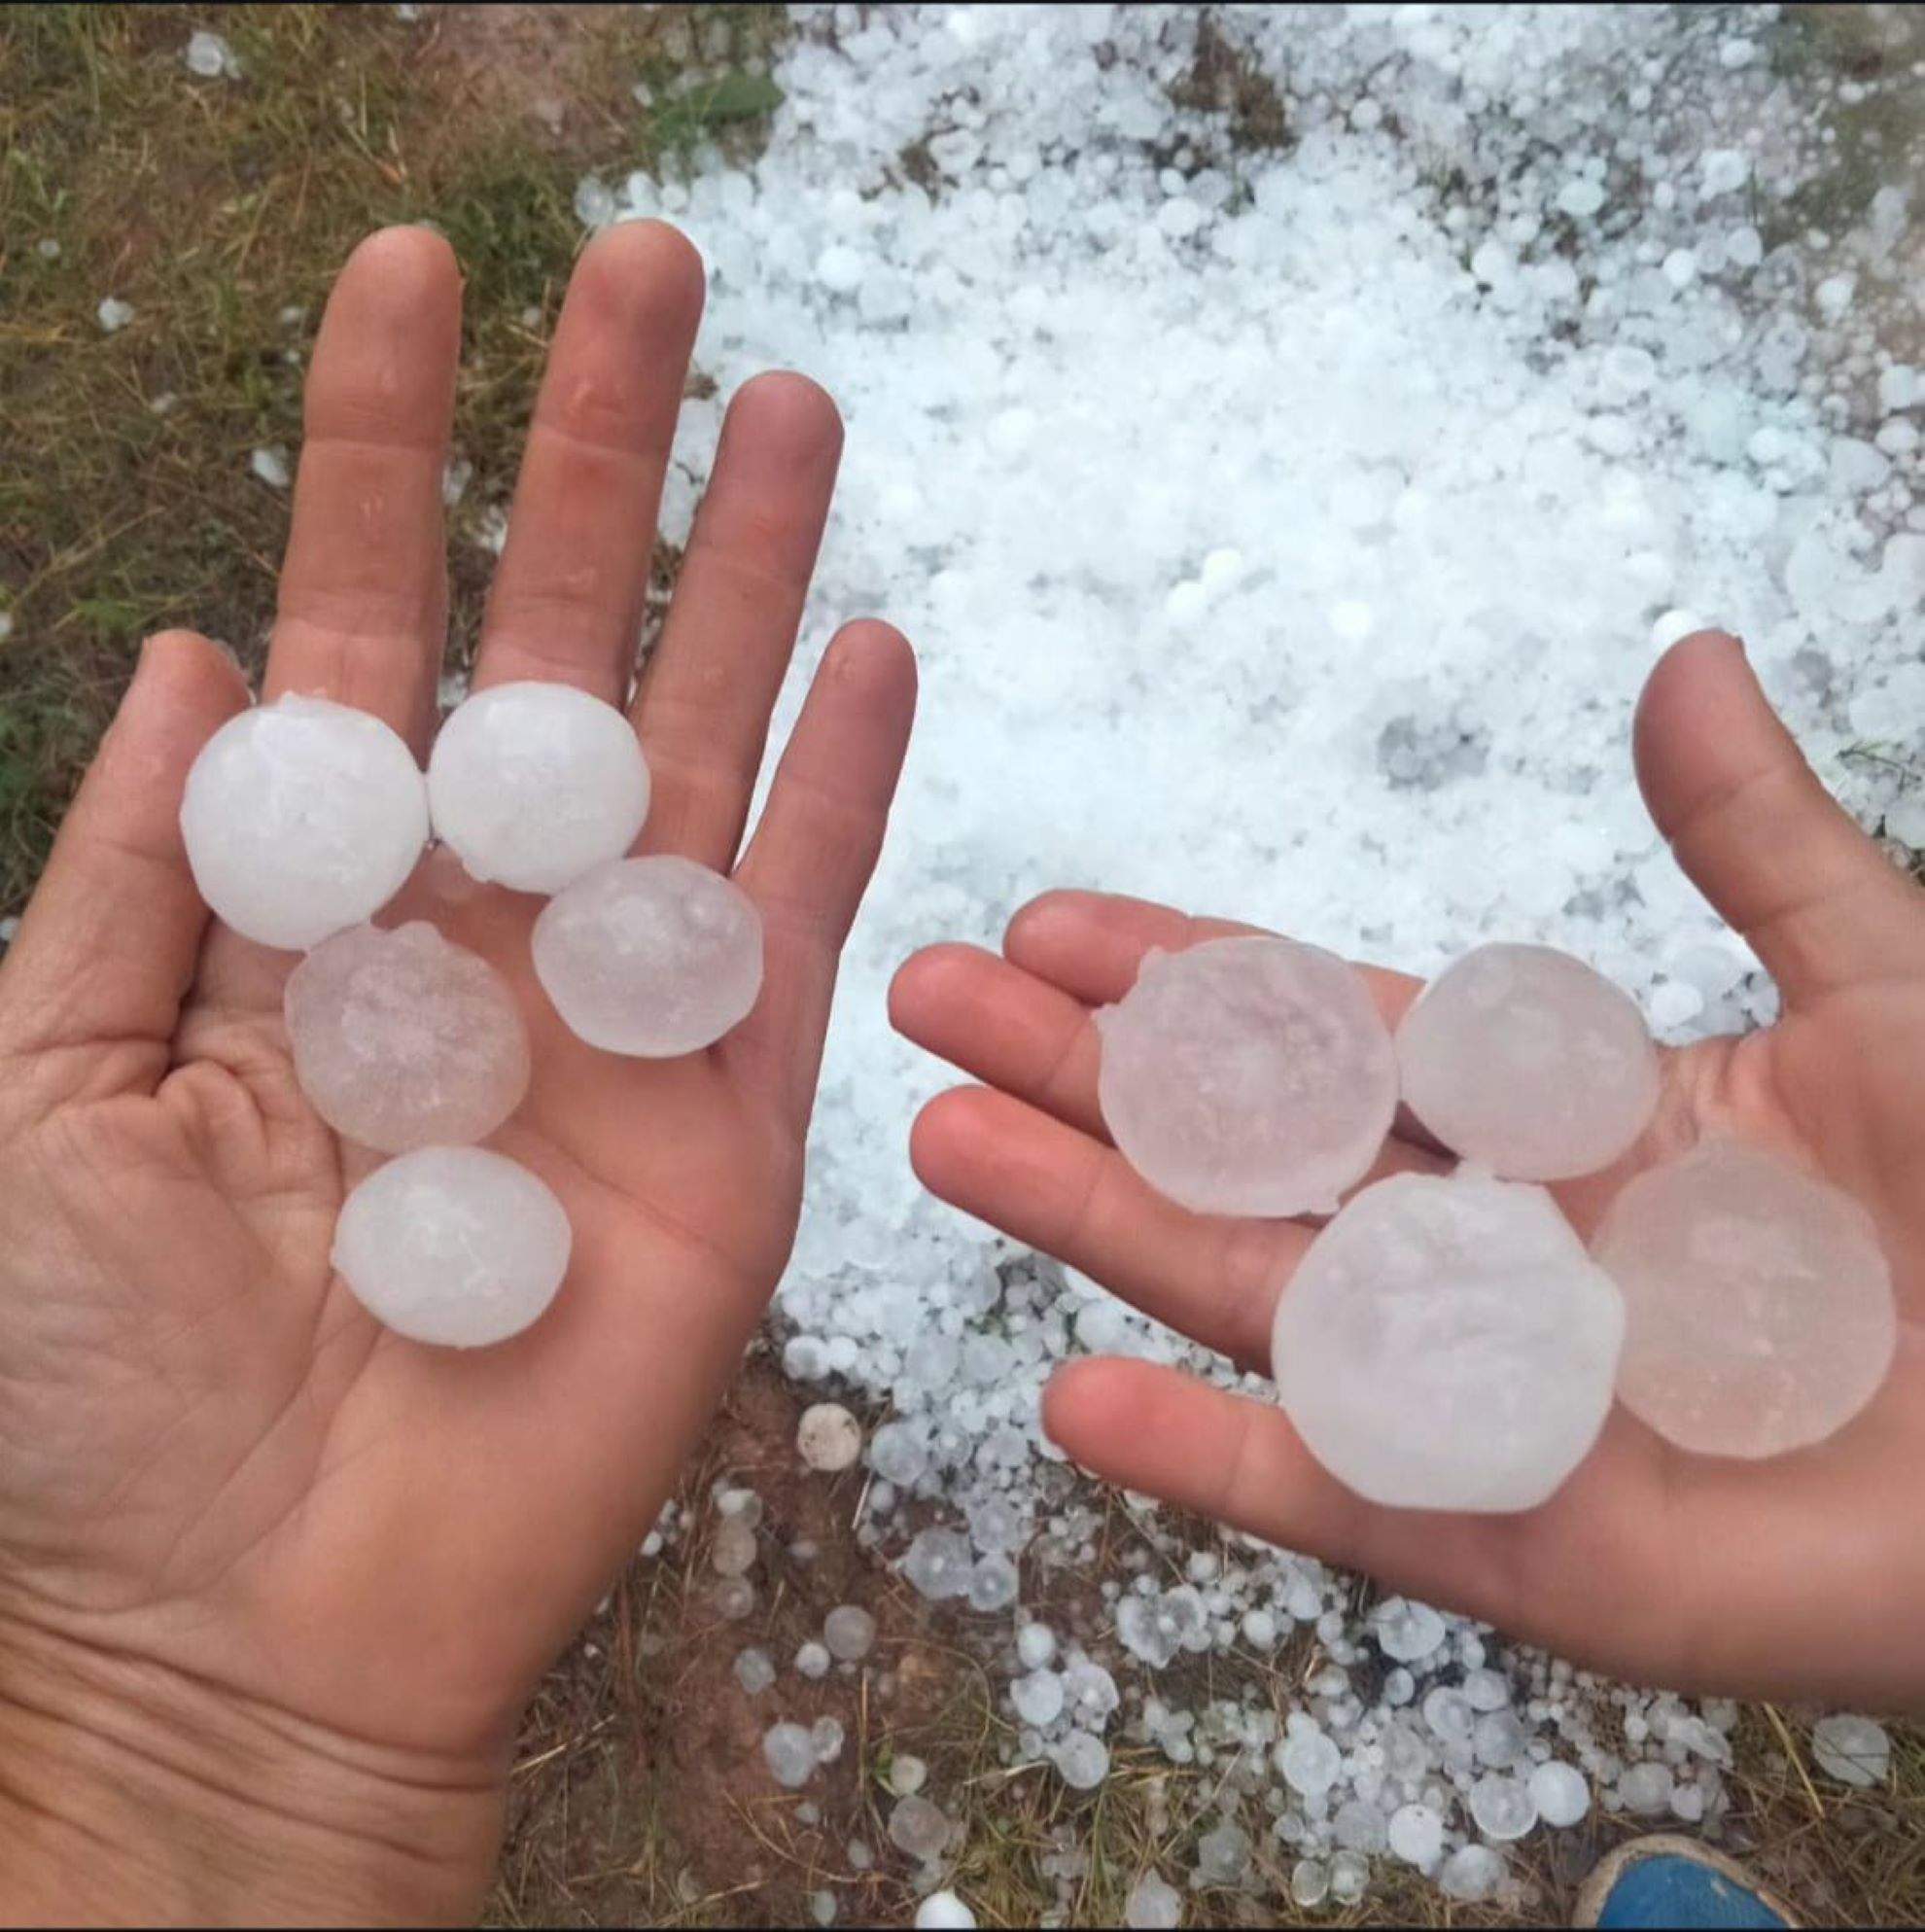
[(221, 211)]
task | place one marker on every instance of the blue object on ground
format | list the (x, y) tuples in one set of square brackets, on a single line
[(1667, 1889)]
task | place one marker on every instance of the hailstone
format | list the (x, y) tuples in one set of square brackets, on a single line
[(1523, 1059), (535, 784), (652, 957), (1447, 1344), (301, 817), (1760, 1304), (1248, 1076), (456, 1245), (402, 1038)]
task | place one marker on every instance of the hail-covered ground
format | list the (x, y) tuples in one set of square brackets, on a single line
[(1289, 437)]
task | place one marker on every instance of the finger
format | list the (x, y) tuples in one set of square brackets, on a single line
[(817, 845), (1214, 1277), (1003, 1026), (362, 612), (1758, 835), (568, 598), (1091, 945), (107, 946), (703, 706)]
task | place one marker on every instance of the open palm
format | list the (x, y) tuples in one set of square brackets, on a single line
[(213, 1462), (1800, 1576)]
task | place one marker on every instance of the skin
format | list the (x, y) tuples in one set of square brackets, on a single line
[(1796, 1577), (275, 1584)]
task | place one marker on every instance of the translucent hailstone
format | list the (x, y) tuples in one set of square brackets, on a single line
[(1154, 1905), (1036, 1698), (1309, 1762), (536, 784), (1417, 1834), (1471, 1873), (944, 1912), (919, 1828), (1502, 1807), (828, 1437), (651, 956), (1248, 1076), (1646, 1788), (848, 1631), (1852, 1749), (789, 1752), (1036, 1645), (453, 1244), (1560, 1793), (1447, 1344), (755, 1670), (301, 817), (403, 1039), (1759, 1304), (1524, 1060), (1081, 1760), (1406, 1631)]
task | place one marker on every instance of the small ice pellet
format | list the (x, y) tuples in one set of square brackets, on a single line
[(535, 784), (651, 956), (1447, 1344), (1523, 1059), (828, 1437), (403, 1039), (1248, 1076), (1758, 1307), (455, 1246), (300, 817)]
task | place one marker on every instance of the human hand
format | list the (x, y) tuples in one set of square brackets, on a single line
[(274, 1582), (1801, 1575)]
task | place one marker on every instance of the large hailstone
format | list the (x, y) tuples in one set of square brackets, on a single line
[(403, 1039), (652, 957), (1447, 1344), (1760, 1306), (535, 784), (1523, 1059), (456, 1245), (301, 817), (1248, 1076)]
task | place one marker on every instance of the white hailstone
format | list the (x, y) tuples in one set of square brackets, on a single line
[(1036, 1645), (114, 313), (1498, 1738), (1559, 1792), (1852, 1749), (1523, 1059), (1309, 1762), (755, 1670), (1486, 1690), (994, 1584), (535, 784), (652, 957), (1081, 1760), (907, 1774), (944, 1912), (1309, 1882), (209, 55), (270, 463), (1154, 1905), (1248, 1076), (734, 1598), (300, 817), (789, 1752), (1350, 1873), (1223, 1855), (1502, 1807), (732, 1552), (939, 1564), (1448, 1715), (813, 1660), (455, 1246), (827, 1739), (1759, 1304), (1472, 1873), (1259, 1628), (848, 1631), (1405, 1630), (1037, 1698), (918, 1827), (1417, 1834), (1646, 1788), (828, 1437), (403, 1039), (1447, 1344), (822, 1904)]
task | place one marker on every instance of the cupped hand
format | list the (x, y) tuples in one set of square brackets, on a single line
[(1802, 1575), (331, 1563)]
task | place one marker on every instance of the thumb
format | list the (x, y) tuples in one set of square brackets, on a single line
[(1758, 835)]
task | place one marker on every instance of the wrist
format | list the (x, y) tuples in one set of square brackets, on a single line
[(130, 1791)]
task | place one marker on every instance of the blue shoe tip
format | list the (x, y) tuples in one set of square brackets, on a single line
[(1669, 1890)]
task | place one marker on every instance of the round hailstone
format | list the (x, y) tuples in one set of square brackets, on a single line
[(404, 1039), (944, 1912), (1248, 1076), (1406, 1631), (1154, 1905), (828, 1437), (918, 1827), (453, 1244), (789, 1753), (1472, 1873), (1082, 1760), (848, 1631), (301, 817), (1447, 1344), (1852, 1749), (1502, 1807), (536, 784), (1560, 1793), (1524, 1060), (651, 956), (1759, 1304), (1416, 1835)]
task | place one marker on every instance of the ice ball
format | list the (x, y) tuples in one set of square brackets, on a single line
[(536, 784), (1248, 1076), (404, 1039), (652, 957), (1758, 1303), (455, 1246), (1447, 1344), (301, 817), (1524, 1060)]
